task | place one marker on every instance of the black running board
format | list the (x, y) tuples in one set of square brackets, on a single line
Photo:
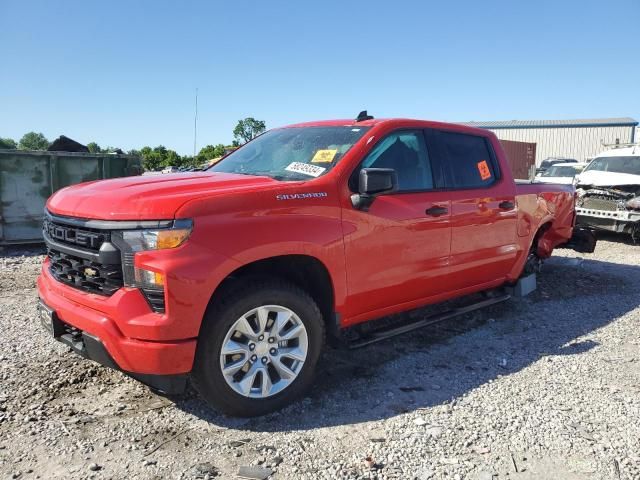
[(378, 336)]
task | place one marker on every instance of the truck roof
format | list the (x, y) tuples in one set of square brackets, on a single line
[(630, 151), (400, 122)]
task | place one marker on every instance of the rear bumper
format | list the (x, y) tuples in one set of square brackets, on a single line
[(104, 341)]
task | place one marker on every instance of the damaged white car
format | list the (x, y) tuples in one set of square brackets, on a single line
[(608, 192)]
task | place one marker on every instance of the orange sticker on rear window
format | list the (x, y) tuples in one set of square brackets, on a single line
[(483, 168)]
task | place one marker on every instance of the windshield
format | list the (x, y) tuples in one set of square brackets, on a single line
[(615, 164), (564, 171), (298, 153)]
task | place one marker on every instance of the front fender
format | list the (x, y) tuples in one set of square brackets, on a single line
[(259, 226)]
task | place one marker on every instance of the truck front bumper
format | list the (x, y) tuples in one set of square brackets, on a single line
[(621, 221), (94, 334)]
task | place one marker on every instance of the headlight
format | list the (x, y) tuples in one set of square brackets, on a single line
[(634, 203), (131, 242), (141, 240)]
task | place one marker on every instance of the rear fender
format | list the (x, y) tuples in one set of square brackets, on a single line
[(545, 240)]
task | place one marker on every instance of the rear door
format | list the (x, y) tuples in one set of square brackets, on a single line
[(483, 208), (398, 251)]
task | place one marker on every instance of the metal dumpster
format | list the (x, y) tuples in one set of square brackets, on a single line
[(521, 157), (28, 178)]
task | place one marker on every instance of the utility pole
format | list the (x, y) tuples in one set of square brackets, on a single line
[(195, 126)]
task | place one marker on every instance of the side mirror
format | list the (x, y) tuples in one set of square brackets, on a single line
[(371, 183)]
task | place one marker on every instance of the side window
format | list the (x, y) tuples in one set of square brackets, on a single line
[(406, 153), (467, 159)]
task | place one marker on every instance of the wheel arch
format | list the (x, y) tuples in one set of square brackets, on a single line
[(305, 271), (520, 265), (541, 231)]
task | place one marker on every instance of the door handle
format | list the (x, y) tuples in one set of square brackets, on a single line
[(506, 205), (436, 211)]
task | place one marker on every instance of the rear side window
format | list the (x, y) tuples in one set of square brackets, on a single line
[(467, 160)]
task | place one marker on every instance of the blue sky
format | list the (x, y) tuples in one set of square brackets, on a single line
[(124, 73)]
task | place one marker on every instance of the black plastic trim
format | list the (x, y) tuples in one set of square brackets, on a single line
[(335, 336), (92, 348), (69, 250), (97, 352), (155, 298), (107, 255)]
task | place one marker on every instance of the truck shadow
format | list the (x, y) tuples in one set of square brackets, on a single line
[(438, 364), (624, 238)]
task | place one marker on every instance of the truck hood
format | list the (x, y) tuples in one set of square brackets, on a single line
[(599, 178), (152, 197)]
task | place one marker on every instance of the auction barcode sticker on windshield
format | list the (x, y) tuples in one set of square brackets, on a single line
[(305, 169)]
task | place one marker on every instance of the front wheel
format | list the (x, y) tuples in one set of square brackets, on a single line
[(258, 348)]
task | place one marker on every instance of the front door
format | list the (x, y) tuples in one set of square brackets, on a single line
[(398, 251)]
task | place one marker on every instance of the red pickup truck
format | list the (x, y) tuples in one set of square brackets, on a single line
[(235, 277)]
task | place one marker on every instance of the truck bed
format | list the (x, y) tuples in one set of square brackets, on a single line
[(527, 186)]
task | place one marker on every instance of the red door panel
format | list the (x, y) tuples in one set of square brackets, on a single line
[(396, 252), (483, 244)]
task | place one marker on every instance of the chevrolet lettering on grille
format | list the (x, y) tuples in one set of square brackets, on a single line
[(68, 234)]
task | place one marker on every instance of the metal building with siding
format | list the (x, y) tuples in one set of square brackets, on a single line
[(579, 139)]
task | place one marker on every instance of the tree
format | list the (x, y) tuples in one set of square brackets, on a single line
[(160, 156), (93, 147), (8, 144), (171, 159), (189, 161), (33, 141), (210, 152), (151, 158), (248, 129)]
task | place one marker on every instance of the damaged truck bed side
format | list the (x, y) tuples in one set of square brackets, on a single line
[(608, 192)]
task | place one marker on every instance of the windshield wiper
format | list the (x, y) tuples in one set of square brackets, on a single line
[(254, 174), (276, 176)]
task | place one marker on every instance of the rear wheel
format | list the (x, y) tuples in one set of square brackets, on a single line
[(258, 348)]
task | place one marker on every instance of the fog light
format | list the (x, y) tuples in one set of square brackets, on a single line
[(151, 284), (148, 279)]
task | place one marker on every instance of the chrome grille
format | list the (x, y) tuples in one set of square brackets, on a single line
[(600, 203)]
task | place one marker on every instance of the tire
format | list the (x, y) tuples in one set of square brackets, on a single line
[(231, 396)]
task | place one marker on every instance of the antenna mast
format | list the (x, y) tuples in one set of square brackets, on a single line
[(195, 126)]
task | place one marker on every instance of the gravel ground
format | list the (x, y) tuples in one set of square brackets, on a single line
[(543, 387)]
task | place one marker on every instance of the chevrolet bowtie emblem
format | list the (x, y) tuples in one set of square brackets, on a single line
[(90, 272)]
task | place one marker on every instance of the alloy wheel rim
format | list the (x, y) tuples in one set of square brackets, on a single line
[(264, 351)]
